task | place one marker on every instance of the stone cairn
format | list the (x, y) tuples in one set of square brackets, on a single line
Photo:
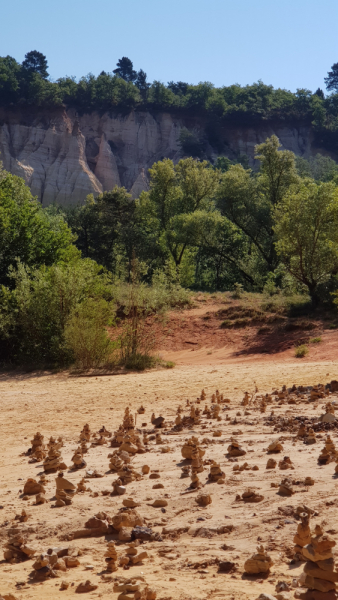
[(235, 449), (65, 491), (133, 556), (117, 461), (286, 463), (311, 437), (328, 453), (271, 464), (303, 536), (216, 472), (78, 460), (246, 399), (189, 448), (111, 557), (53, 461), (285, 487), (259, 562), (56, 444), (85, 433), (17, 549), (38, 450), (81, 486), (319, 570)]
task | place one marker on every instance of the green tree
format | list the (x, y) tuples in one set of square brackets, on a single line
[(306, 228), (142, 84), (125, 69), (182, 196), (331, 81), (28, 232), (9, 80), (36, 62)]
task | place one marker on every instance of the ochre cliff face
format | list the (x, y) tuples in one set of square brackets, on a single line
[(63, 156)]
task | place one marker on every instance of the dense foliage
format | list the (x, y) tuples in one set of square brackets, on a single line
[(124, 89)]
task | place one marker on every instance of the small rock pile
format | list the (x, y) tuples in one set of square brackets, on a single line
[(275, 447), (53, 461), (111, 557), (216, 472), (319, 570), (38, 449), (78, 460), (303, 536), (259, 562), (235, 449), (328, 453), (65, 491), (17, 548)]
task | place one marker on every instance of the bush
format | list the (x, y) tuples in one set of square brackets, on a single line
[(301, 351), (86, 334), (315, 340), (139, 362)]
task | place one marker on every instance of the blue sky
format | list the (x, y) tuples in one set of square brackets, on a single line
[(289, 43)]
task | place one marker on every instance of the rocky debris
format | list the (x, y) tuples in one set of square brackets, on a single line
[(275, 447), (189, 448), (116, 461), (55, 559), (311, 437), (250, 496), (118, 488), (127, 474), (85, 587), (286, 463), (130, 503), (319, 570), (17, 549), (302, 432), (78, 460), (40, 499), (111, 557), (309, 481), (159, 503), (216, 472), (235, 449), (145, 469), (303, 535), (145, 534), (271, 464), (285, 487), (23, 517), (203, 499), (259, 562), (65, 491), (38, 450), (53, 461), (32, 487), (246, 399), (81, 486), (327, 453), (93, 474), (85, 433), (226, 566)]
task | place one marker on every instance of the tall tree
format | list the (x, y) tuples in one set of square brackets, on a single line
[(125, 69), (331, 81), (306, 227), (142, 84), (36, 62)]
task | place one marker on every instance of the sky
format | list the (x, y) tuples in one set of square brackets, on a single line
[(286, 43)]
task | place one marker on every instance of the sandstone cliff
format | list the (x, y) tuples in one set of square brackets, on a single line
[(64, 156)]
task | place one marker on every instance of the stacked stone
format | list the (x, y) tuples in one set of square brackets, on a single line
[(215, 411), (116, 463), (235, 449), (16, 549), (203, 395), (286, 463), (311, 437), (38, 450), (78, 460), (127, 474), (317, 392), (111, 557), (319, 570), (128, 420), (85, 433), (104, 432), (303, 536), (245, 400), (65, 491), (301, 431), (190, 446), (141, 410), (259, 562), (328, 453), (53, 462), (196, 463), (55, 444), (216, 472)]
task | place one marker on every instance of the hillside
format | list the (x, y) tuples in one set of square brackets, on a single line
[(64, 155)]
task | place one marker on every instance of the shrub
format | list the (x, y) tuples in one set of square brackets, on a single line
[(301, 351), (238, 291), (226, 324), (139, 362), (86, 334), (315, 340)]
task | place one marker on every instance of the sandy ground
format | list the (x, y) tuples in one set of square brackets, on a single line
[(61, 404)]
